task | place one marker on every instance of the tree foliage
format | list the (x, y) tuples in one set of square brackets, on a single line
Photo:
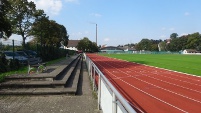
[(48, 32), (148, 45), (175, 43), (5, 26), (173, 35), (87, 46), (26, 21), (22, 17)]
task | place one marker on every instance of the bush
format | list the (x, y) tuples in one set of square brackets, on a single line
[(3, 64), (8, 65)]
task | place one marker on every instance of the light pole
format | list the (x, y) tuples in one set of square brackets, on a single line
[(96, 32), (39, 19), (96, 35)]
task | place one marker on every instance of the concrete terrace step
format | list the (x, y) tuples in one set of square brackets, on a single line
[(73, 80), (61, 102), (56, 70), (61, 84), (38, 91), (53, 83), (32, 84)]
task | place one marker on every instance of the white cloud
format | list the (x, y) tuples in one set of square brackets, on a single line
[(182, 34), (96, 14), (172, 29), (163, 36), (73, 1), (186, 13), (163, 28), (51, 7), (86, 32), (77, 34), (166, 29), (106, 39)]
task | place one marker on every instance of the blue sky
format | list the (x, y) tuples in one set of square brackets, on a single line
[(124, 21)]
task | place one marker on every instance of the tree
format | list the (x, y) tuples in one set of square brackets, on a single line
[(174, 45), (87, 46), (48, 32), (94, 47), (194, 41), (144, 44), (54, 34), (191, 41), (182, 42), (58, 34), (22, 17), (5, 29), (173, 35), (162, 46), (64, 35)]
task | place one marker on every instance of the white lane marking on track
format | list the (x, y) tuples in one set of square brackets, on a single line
[(172, 78), (173, 84), (154, 97), (117, 77), (176, 79), (172, 71), (139, 74), (146, 92), (158, 86)]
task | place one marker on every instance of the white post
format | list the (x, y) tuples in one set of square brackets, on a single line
[(114, 103), (89, 65), (91, 71), (94, 79), (99, 91)]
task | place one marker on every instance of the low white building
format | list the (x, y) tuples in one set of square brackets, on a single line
[(191, 51), (72, 45)]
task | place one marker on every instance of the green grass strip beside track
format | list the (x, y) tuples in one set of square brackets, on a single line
[(183, 63)]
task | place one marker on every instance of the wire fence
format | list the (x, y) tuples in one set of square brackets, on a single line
[(8, 44), (140, 52)]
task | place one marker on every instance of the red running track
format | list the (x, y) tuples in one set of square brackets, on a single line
[(151, 89)]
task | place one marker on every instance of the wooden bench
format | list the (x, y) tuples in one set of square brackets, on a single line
[(36, 63)]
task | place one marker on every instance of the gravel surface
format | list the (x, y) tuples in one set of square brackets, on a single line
[(47, 104)]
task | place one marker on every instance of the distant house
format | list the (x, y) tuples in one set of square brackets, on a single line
[(111, 49), (191, 51), (126, 48), (72, 45), (119, 49)]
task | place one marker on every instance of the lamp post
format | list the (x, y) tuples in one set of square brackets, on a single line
[(96, 35), (96, 32), (39, 19)]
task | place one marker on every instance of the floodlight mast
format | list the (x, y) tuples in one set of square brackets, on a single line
[(96, 35), (96, 32)]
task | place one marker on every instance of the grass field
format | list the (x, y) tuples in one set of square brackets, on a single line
[(183, 63)]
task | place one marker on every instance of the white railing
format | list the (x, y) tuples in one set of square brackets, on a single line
[(109, 99)]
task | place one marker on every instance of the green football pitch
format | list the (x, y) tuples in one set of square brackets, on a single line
[(183, 63)]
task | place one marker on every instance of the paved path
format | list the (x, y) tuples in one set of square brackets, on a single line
[(84, 102)]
